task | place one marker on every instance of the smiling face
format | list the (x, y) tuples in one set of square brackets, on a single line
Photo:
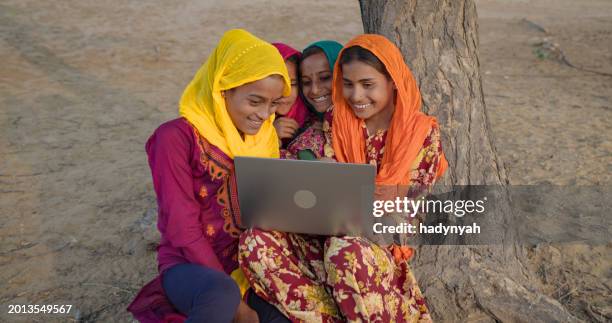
[(316, 78), (285, 103), (367, 91), (250, 104)]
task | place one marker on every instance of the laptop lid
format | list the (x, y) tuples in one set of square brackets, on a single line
[(311, 197)]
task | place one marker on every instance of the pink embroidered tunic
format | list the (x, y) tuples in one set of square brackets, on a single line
[(197, 211)]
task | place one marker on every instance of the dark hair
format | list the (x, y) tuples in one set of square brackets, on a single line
[(311, 51), (294, 59), (358, 53)]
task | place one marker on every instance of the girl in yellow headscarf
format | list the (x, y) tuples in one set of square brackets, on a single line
[(227, 110)]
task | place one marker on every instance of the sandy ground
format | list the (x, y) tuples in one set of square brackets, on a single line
[(83, 84), (553, 123)]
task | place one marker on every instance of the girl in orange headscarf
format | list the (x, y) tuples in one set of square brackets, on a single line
[(377, 120)]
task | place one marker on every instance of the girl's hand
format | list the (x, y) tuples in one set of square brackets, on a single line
[(245, 314), (285, 127)]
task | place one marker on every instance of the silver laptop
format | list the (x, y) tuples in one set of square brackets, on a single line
[(312, 197)]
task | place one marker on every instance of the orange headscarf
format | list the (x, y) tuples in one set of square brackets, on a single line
[(409, 126)]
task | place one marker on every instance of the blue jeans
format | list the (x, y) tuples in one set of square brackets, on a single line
[(208, 295)]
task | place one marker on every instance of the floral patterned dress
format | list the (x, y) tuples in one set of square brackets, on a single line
[(340, 279), (315, 138)]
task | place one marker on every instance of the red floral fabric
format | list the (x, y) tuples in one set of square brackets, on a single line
[(340, 279), (316, 138)]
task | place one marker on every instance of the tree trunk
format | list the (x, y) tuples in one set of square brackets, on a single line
[(439, 41)]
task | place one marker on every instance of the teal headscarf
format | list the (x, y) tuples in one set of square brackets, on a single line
[(331, 48)]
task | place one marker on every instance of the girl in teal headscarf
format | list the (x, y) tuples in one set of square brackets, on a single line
[(316, 73)]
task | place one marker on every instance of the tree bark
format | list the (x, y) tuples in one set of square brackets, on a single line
[(439, 41)]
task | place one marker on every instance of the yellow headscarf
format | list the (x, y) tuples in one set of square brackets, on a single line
[(239, 58)]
